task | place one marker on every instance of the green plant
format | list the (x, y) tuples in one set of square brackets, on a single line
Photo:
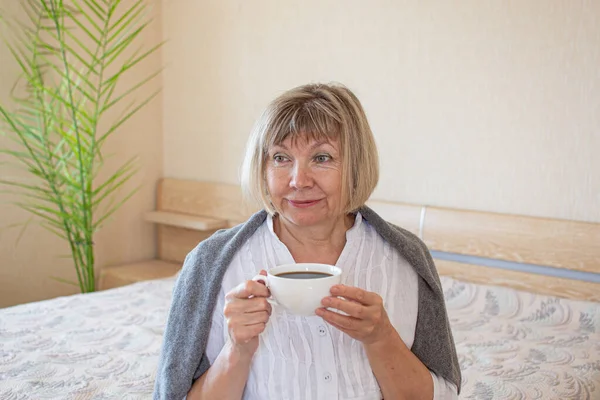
[(73, 56)]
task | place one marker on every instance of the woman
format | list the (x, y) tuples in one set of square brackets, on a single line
[(312, 163)]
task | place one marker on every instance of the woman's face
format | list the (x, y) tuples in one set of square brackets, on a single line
[(304, 178)]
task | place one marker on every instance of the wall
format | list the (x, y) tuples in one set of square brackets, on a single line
[(488, 105), (27, 261)]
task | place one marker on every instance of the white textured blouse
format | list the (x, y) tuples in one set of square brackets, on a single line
[(304, 357)]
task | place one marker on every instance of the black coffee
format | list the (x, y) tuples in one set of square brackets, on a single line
[(304, 275)]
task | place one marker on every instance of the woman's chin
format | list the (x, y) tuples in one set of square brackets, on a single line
[(305, 218)]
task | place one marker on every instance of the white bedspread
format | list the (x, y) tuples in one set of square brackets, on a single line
[(102, 345), (517, 345), (511, 344)]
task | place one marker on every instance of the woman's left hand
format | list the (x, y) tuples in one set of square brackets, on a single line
[(367, 320)]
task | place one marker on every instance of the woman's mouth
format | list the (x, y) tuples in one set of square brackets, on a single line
[(303, 203)]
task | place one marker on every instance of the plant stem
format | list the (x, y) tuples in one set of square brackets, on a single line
[(83, 175)]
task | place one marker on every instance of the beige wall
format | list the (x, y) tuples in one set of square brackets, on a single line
[(25, 268), (479, 105), (490, 106)]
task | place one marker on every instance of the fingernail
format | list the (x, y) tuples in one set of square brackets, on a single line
[(326, 301), (319, 311)]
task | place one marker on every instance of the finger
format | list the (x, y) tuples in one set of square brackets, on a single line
[(247, 289), (357, 294), (350, 307), (256, 304), (244, 306), (257, 329), (250, 319), (341, 328), (341, 321), (263, 273)]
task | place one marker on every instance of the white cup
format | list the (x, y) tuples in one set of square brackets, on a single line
[(301, 296)]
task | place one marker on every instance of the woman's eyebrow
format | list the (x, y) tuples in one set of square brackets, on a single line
[(312, 147)]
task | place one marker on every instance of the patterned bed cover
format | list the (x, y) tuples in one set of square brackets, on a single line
[(104, 345)]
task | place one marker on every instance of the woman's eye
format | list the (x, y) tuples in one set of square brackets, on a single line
[(322, 158), (279, 158)]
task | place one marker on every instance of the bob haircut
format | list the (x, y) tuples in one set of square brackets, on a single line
[(321, 112)]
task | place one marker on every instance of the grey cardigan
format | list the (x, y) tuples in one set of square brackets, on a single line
[(182, 358)]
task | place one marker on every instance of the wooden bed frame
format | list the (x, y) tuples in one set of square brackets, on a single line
[(478, 247)]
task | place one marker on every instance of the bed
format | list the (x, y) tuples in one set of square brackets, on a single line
[(512, 344), (519, 334)]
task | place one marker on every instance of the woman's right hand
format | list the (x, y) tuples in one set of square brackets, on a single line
[(247, 312)]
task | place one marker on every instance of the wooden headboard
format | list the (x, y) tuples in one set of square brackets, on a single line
[(547, 256)]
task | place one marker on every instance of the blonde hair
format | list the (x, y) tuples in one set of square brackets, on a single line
[(315, 111)]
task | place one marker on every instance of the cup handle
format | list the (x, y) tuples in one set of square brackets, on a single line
[(265, 281)]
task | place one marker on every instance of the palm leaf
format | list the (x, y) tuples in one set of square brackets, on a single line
[(66, 281), (127, 116), (64, 91), (129, 17), (114, 208), (22, 231)]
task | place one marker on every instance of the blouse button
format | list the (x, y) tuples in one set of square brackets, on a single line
[(322, 330), (327, 377)]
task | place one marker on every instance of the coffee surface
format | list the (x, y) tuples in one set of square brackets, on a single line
[(303, 275)]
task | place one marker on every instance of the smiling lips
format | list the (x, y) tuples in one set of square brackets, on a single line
[(303, 204)]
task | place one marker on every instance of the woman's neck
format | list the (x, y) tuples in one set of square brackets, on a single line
[(319, 244)]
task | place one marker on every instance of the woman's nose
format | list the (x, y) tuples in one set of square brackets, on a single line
[(301, 177)]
